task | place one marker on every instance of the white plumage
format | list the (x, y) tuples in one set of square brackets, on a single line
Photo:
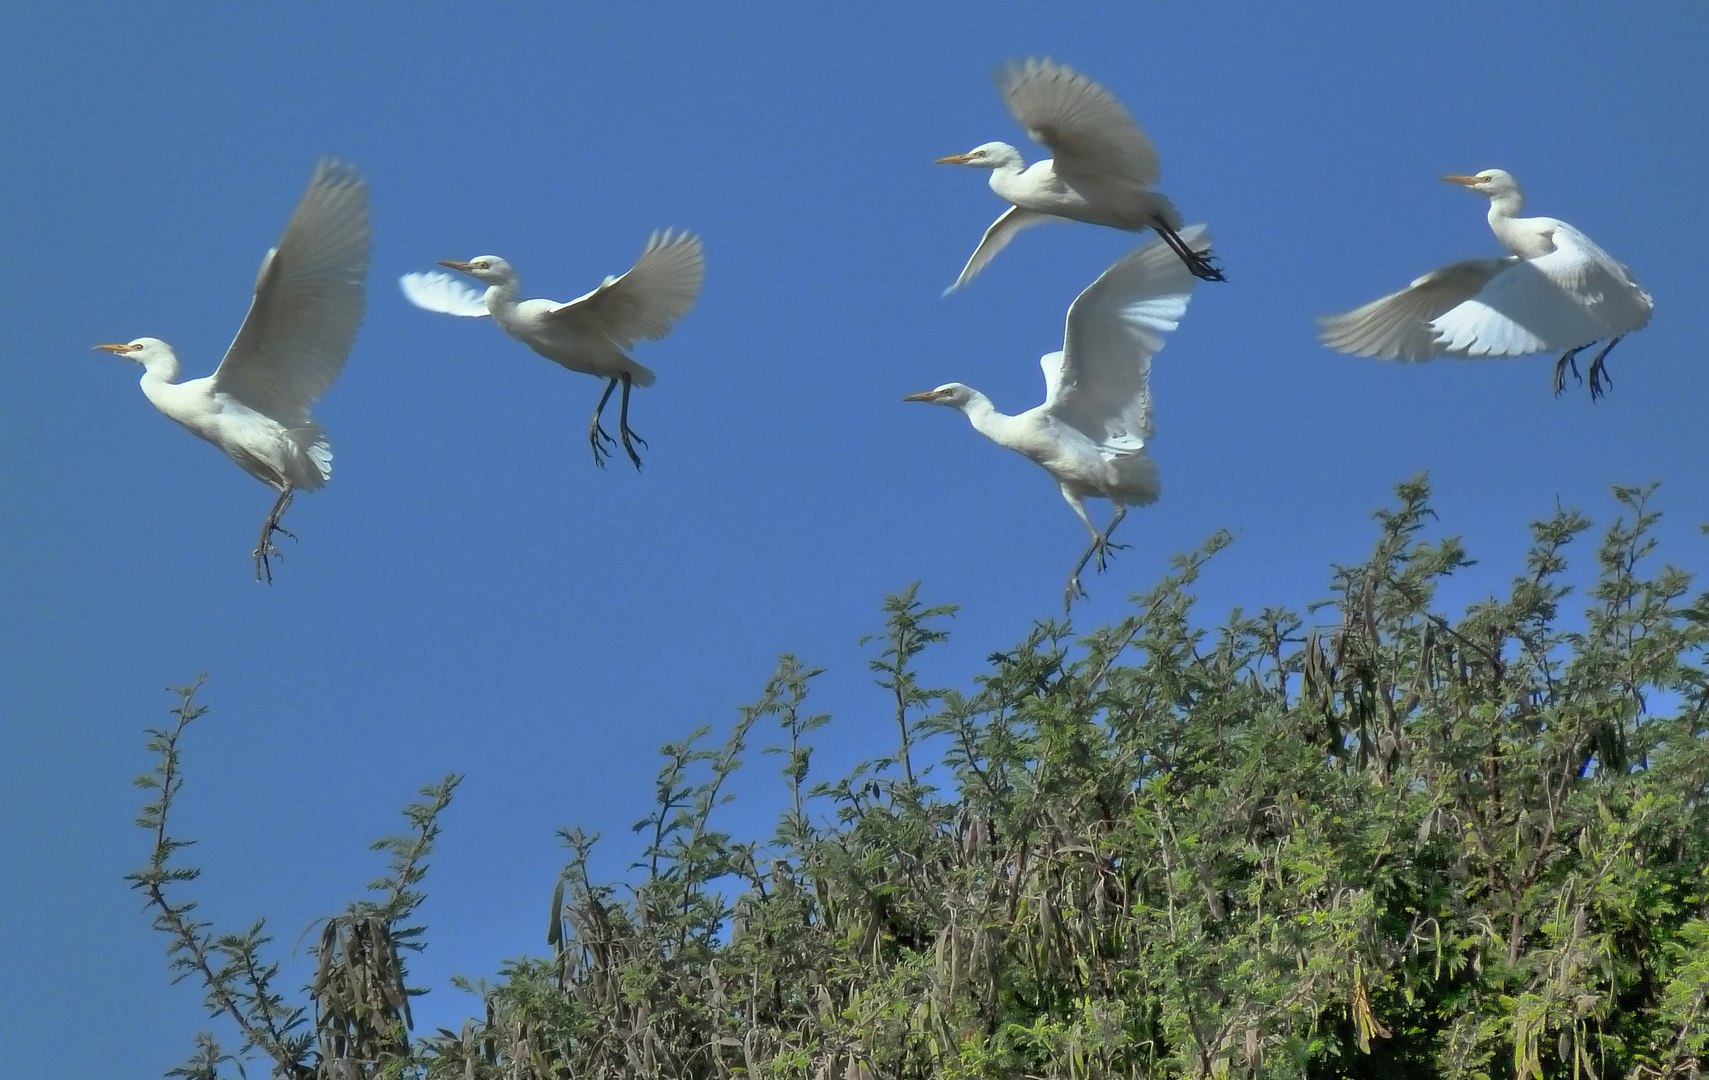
[(1558, 290), (309, 300), (1102, 172), (590, 334), (1091, 432)]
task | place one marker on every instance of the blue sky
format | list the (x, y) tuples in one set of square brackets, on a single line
[(470, 594)]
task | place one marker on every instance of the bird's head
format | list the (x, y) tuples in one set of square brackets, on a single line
[(489, 269), (954, 394), (1492, 183), (992, 155), (147, 351)]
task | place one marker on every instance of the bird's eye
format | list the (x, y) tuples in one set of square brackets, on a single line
[(483, 265)]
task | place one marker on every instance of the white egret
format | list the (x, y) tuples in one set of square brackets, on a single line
[(590, 334), (292, 345), (1558, 290), (1102, 172), (1090, 434)]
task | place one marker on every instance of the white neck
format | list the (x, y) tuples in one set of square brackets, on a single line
[(160, 368), (999, 427), (1505, 207), (502, 296)]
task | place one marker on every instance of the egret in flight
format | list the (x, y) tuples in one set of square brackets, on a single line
[(1090, 434), (1557, 290), (1102, 173), (591, 334), (292, 345)]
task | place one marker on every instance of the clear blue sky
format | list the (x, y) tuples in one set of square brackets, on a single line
[(470, 594)]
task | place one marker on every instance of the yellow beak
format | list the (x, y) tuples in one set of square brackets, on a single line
[(953, 159), (119, 350), (1464, 181), (465, 267), (929, 395)]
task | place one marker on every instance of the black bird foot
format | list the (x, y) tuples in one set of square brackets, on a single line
[(629, 446), (1104, 547), (1075, 592), (1600, 381), (1204, 268), (1569, 358), (266, 550), (598, 437)]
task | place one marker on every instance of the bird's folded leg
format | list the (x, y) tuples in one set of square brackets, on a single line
[(597, 435), (1600, 381), (1568, 359), (1202, 265), (266, 549), (623, 429)]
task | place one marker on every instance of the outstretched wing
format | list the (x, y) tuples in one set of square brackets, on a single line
[(1397, 327), (1103, 376), (648, 300), (1087, 130), (309, 300), (443, 293), (996, 238), (1574, 295)]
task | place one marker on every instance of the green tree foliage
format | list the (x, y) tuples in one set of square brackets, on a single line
[(1371, 841)]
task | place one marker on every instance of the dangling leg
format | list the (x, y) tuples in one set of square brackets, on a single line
[(1201, 265), (623, 426), (597, 434), (265, 548), (1569, 357), (1100, 546), (1599, 373)]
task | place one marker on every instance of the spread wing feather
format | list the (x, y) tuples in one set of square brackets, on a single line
[(648, 300), (1101, 381), (1087, 130), (1397, 327), (437, 291), (996, 238), (309, 300), (1574, 295)]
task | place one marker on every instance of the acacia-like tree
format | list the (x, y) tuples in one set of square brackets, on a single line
[(1369, 841)]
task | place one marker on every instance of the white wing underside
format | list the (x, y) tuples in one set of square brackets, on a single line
[(1087, 130), (1100, 383), (1397, 327), (1009, 225), (648, 300), (1574, 295), (309, 300), (445, 294)]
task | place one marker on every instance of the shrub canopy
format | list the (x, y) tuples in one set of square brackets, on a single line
[(1370, 841)]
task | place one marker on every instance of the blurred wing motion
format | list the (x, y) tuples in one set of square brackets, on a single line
[(996, 238), (1085, 127), (443, 293), (1397, 327), (308, 303), (648, 300), (1574, 295), (1101, 381)]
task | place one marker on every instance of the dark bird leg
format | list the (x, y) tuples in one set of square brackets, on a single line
[(623, 426), (1569, 357), (1202, 265), (1599, 372), (1101, 546), (266, 549), (596, 434)]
